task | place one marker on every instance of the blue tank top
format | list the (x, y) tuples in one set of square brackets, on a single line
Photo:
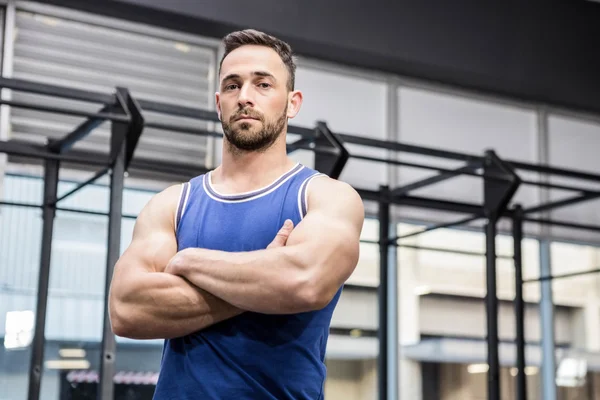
[(253, 355)]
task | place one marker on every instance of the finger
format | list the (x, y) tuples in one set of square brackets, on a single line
[(282, 235)]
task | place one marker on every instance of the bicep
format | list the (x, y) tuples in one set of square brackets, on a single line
[(328, 238), (153, 241)]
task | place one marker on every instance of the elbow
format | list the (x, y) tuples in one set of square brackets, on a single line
[(120, 327), (121, 324), (118, 323), (311, 294)]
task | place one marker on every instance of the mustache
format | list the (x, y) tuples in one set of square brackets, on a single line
[(246, 112)]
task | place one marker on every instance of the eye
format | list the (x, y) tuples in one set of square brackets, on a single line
[(264, 85), (231, 86)]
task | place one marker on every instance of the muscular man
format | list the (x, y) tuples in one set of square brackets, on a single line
[(240, 269)]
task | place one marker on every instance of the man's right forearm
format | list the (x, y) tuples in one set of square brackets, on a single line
[(161, 306)]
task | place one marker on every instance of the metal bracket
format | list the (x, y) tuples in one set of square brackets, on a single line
[(499, 190), (330, 153), (129, 133)]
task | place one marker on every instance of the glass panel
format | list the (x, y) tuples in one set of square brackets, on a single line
[(351, 380), (469, 381), (352, 349), (76, 292), (20, 230)]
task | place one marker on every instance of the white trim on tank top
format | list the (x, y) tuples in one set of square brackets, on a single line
[(182, 203), (304, 188), (206, 182)]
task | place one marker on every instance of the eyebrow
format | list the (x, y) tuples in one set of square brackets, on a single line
[(254, 73)]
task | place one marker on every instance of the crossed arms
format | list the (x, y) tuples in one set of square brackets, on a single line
[(157, 292)]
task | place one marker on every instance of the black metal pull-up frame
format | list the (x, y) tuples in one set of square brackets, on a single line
[(125, 114)]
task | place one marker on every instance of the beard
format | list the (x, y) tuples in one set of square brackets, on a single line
[(256, 135)]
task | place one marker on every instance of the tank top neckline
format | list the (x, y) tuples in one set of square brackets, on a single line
[(245, 196)]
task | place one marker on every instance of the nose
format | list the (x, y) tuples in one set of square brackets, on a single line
[(245, 97)]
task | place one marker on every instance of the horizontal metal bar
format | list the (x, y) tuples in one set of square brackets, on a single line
[(360, 288), (440, 205), (426, 151), (554, 171), (564, 224), (372, 195), (439, 226), (24, 149), (302, 143), (174, 110), (559, 187), (17, 204), (367, 241), (182, 129), (436, 249), (561, 276), (67, 111), (305, 145), (429, 167), (94, 178), (302, 131), (73, 210), (450, 251), (81, 131), (427, 203), (561, 203), (403, 190), (89, 212), (178, 170), (55, 91)]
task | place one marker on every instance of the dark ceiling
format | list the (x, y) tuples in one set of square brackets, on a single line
[(540, 51)]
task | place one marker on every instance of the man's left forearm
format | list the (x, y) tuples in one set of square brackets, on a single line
[(272, 281)]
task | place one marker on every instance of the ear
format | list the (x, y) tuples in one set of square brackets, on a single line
[(294, 103), (218, 104)]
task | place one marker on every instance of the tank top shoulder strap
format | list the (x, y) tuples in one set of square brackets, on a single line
[(184, 197), (304, 184)]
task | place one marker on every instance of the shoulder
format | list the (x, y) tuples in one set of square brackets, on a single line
[(334, 195), (173, 194), (169, 195), (164, 203)]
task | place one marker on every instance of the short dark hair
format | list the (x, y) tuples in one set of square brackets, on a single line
[(237, 39)]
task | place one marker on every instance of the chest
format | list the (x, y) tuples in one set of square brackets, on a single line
[(243, 226)]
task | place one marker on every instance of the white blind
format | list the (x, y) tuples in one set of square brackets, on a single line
[(90, 56)]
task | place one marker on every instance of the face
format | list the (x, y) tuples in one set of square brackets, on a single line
[(254, 102)]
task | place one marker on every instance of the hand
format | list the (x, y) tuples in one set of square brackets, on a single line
[(282, 236), (176, 263)]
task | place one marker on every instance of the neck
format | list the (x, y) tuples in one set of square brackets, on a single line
[(253, 168)]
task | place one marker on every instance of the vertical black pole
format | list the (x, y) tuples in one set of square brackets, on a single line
[(48, 213), (107, 366), (384, 235), (492, 311), (519, 302), (497, 195)]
